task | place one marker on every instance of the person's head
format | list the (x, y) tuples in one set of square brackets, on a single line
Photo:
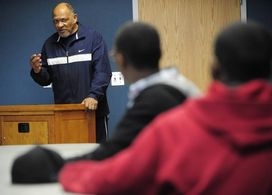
[(243, 52), (137, 47), (65, 19)]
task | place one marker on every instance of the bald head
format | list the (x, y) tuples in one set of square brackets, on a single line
[(65, 19), (64, 6)]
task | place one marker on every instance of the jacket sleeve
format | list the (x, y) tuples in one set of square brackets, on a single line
[(100, 68), (128, 172), (43, 78)]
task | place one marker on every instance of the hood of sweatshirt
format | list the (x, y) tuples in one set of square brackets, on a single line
[(167, 76), (242, 116)]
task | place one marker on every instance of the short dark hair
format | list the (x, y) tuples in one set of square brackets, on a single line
[(139, 43), (244, 51)]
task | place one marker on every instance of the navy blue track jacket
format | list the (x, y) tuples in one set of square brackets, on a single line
[(78, 69)]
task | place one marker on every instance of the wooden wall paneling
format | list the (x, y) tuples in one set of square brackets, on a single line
[(187, 29)]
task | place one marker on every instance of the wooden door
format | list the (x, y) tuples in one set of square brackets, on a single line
[(187, 29)]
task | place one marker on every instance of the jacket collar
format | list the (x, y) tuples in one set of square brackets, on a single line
[(79, 34)]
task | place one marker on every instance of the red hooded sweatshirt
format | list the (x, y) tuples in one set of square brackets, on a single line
[(218, 144)]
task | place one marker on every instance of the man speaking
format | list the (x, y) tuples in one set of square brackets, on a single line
[(75, 60)]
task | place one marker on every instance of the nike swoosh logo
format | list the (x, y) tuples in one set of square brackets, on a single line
[(80, 50)]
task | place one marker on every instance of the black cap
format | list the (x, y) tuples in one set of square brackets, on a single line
[(39, 165)]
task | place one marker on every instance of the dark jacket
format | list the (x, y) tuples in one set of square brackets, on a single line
[(77, 68), (148, 104)]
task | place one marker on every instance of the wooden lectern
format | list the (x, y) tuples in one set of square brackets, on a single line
[(46, 124)]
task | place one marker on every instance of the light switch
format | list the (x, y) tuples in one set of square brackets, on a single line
[(117, 79)]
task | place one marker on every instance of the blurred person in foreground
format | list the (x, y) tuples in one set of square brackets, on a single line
[(217, 144)]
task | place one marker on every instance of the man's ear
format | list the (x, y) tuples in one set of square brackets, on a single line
[(216, 70), (75, 18), (120, 60)]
